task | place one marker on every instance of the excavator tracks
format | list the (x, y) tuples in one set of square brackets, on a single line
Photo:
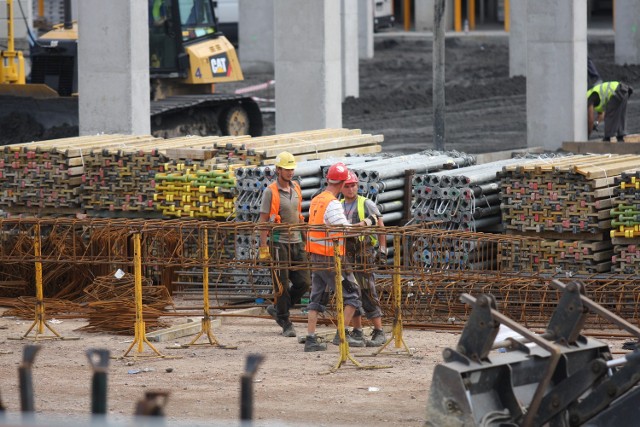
[(216, 114)]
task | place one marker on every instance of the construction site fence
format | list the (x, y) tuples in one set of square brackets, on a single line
[(435, 266)]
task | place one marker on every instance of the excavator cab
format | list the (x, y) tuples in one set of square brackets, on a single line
[(186, 49), (187, 57)]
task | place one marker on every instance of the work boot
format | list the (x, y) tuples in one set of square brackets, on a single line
[(312, 344), (377, 338), (356, 338), (336, 339), (273, 312), (288, 330), (353, 338)]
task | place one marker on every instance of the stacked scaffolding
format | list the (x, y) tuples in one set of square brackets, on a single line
[(566, 201), (625, 223)]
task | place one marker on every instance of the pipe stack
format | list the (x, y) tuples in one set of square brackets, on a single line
[(384, 180), (464, 199)]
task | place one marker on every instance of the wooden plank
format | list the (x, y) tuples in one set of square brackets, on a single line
[(334, 153), (601, 147)]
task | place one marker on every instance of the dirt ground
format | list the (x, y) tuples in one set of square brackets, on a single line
[(205, 381), (485, 108), (290, 386)]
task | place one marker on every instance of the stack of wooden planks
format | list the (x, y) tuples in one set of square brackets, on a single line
[(305, 145), (566, 202)]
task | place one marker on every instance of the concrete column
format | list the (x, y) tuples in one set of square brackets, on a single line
[(365, 29), (113, 67), (627, 37), (423, 10), (518, 38), (255, 35), (307, 67), (556, 72), (350, 57)]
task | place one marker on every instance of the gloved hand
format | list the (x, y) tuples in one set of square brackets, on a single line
[(382, 255), (263, 253), (371, 220), (596, 125)]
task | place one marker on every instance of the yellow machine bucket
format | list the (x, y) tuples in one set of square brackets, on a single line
[(31, 90)]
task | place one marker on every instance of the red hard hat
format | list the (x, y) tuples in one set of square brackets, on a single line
[(338, 172), (352, 179)]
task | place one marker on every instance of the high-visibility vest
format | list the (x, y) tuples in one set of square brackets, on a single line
[(362, 214), (605, 91), (157, 11), (318, 242), (274, 210)]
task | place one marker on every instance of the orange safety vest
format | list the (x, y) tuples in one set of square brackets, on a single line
[(274, 215), (318, 241)]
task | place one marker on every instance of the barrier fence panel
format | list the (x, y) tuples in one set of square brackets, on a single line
[(79, 259)]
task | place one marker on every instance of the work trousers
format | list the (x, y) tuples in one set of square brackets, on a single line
[(615, 114), (293, 258)]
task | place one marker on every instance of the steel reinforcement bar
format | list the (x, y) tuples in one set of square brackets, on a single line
[(436, 266)]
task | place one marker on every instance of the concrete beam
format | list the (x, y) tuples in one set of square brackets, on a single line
[(556, 72), (627, 36), (518, 38), (350, 56), (113, 67), (308, 59), (365, 29), (256, 36), (423, 10)]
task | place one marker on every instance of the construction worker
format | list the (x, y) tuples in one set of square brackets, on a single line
[(282, 204), (609, 100), (364, 251), (325, 209)]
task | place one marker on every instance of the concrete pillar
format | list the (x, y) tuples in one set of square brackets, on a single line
[(556, 72), (307, 65), (365, 29), (255, 35), (627, 26), (113, 67), (518, 38), (350, 57), (423, 10)]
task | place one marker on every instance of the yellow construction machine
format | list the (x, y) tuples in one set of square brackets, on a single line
[(187, 58)]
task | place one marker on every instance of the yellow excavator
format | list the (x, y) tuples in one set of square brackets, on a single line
[(188, 57)]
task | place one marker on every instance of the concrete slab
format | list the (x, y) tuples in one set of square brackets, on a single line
[(192, 327)]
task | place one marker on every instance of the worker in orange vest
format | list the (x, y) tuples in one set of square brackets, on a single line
[(282, 204), (325, 209)]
